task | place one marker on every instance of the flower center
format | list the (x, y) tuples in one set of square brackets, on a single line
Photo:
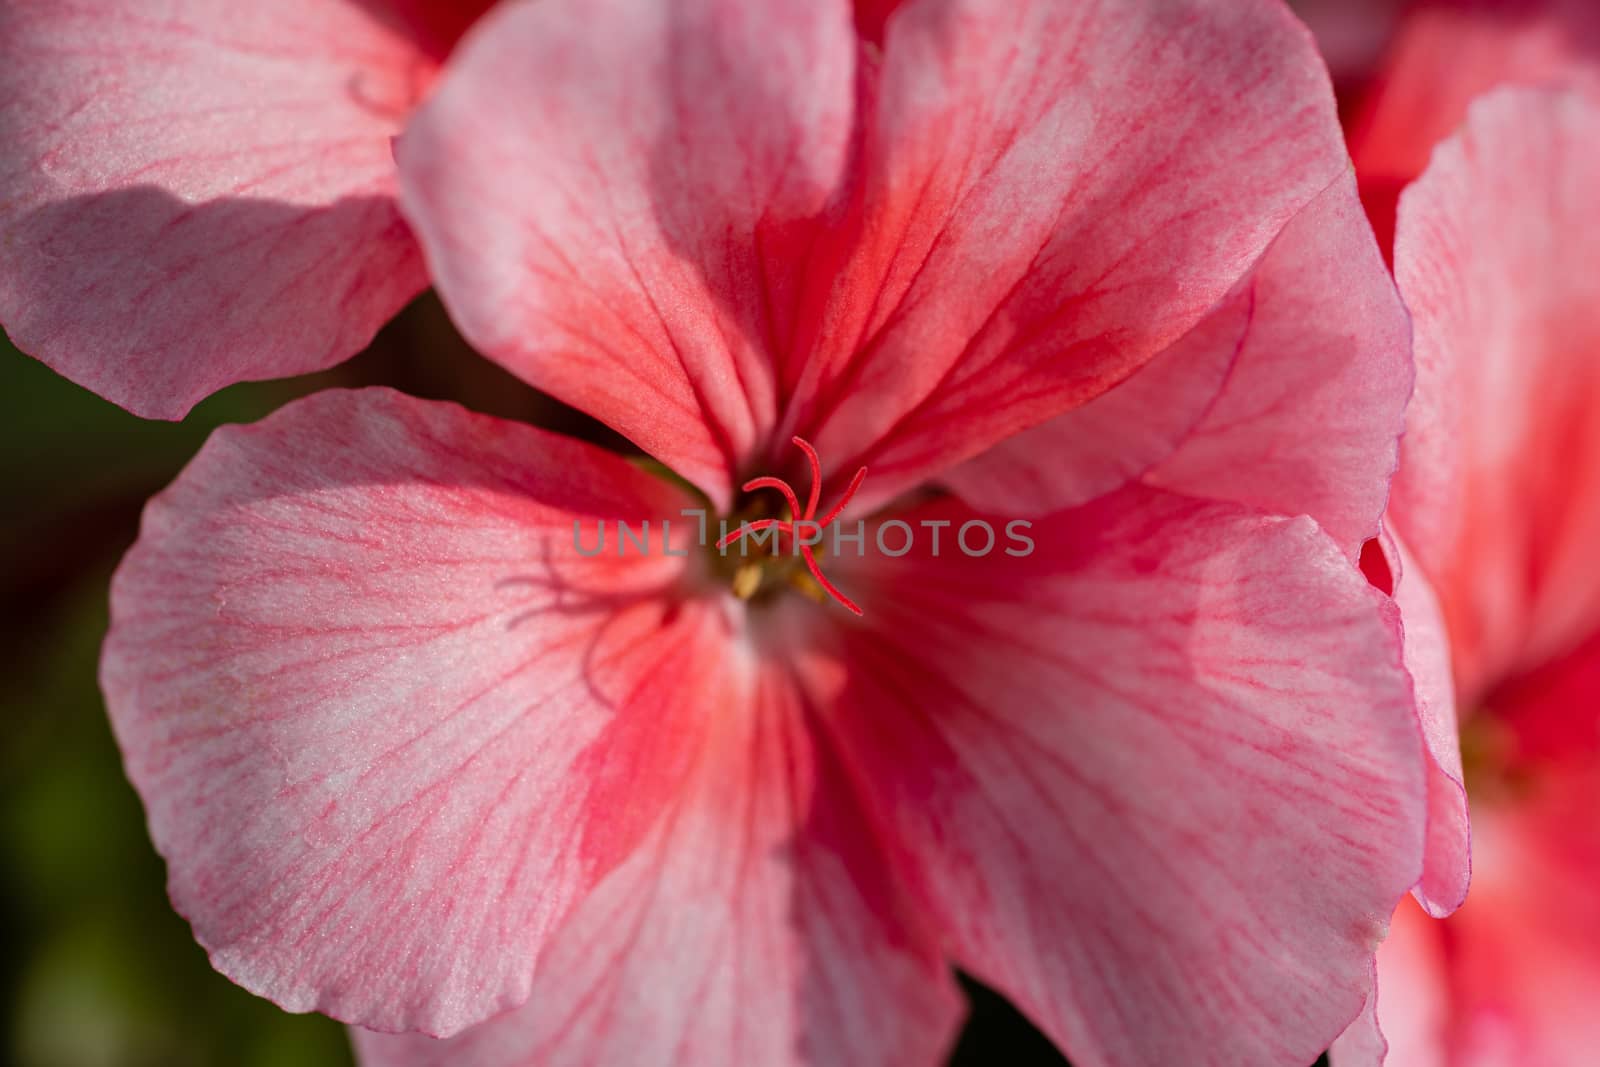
[(769, 550), (1493, 771)]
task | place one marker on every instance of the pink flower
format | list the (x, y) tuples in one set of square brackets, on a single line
[(1499, 498), (196, 193), (416, 760), (1442, 56)]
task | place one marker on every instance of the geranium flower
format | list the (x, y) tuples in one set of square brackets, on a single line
[(194, 194), (417, 758), (1499, 499), (1442, 56)]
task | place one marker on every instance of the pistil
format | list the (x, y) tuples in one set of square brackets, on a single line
[(750, 577)]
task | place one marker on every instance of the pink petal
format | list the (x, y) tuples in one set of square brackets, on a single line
[(1446, 53), (1363, 1044), (1512, 977), (195, 194), (1553, 711), (1049, 195), (757, 925), (1413, 995), (622, 217), (1161, 779), (1447, 866), (388, 726), (1309, 420), (1117, 437), (1526, 970), (1495, 257), (1289, 397), (717, 225), (1507, 979)]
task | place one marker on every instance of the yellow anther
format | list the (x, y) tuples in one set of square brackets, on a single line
[(746, 580)]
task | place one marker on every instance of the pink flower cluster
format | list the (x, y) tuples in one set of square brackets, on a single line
[(1101, 268)]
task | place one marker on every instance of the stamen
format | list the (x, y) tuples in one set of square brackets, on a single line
[(822, 580), (816, 473), (769, 482), (855, 483), (746, 580), (753, 527), (748, 577)]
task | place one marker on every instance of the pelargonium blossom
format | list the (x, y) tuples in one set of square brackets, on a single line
[(1445, 53), (194, 194), (419, 760), (1498, 498)]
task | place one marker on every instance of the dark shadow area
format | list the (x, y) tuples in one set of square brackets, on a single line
[(434, 27), (996, 1033)]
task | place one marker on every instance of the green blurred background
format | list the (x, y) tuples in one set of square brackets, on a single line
[(96, 970)]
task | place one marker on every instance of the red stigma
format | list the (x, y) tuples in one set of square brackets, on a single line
[(795, 515)]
